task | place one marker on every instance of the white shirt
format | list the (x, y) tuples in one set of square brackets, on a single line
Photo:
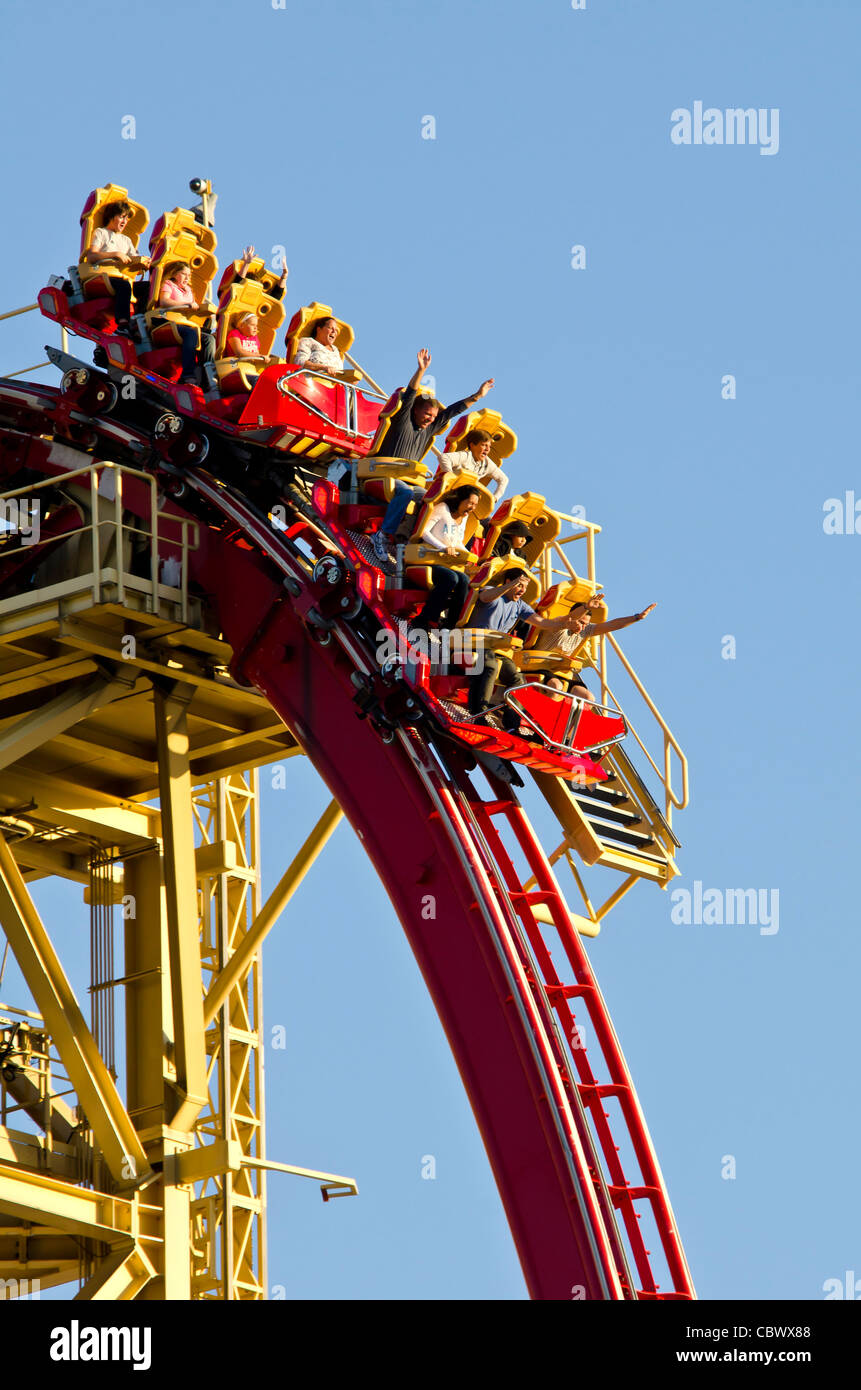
[(441, 529), (487, 472), (115, 243), (313, 354)]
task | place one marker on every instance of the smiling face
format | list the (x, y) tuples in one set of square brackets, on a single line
[(424, 413), (327, 332), (467, 504)]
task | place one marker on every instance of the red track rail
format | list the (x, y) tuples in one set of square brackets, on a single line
[(429, 831), (433, 837)]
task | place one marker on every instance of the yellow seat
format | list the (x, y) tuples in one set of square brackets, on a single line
[(486, 576), (539, 651), (91, 219), (255, 270), (300, 327), (540, 520), (418, 556), (192, 245), (503, 439), (245, 297), (378, 475), (177, 222)]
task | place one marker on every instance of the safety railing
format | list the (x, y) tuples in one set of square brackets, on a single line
[(577, 705), (554, 566), (350, 421), (37, 366), (102, 485)]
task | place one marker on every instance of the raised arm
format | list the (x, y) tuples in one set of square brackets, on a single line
[(423, 358), (616, 624)]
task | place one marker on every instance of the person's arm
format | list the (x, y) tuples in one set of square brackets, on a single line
[(423, 358), (461, 407), (497, 476), (549, 624), (303, 352), (495, 591), (97, 255), (616, 624), (429, 536)]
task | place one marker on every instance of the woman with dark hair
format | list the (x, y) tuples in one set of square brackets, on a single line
[(176, 293), (110, 246), (318, 350), (445, 530)]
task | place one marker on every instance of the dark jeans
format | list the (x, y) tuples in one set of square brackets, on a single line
[(446, 598), (188, 343), (496, 668), (122, 298)]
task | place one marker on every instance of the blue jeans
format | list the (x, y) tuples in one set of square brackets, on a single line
[(397, 508)]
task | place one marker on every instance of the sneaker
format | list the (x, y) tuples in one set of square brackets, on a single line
[(381, 549)]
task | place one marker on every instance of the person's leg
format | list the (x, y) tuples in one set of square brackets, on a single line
[(582, 691), (395, 512), (456, 599), (444, 585), (207, 348), (508, 677), (122, 299), (188, 343), (407, 524), (481, 686)]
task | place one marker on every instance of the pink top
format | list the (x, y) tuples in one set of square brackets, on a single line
[(237, 342), (172, 294)]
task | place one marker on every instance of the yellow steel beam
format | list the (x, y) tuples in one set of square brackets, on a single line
[(58, 715), (119, 1277), (48, 1201), (241, 959), (171, 710), (84, 808), (56, 1002)]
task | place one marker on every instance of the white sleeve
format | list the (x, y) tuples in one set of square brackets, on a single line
[(304, 348), (100, 237), (501, 480), (439, 515)]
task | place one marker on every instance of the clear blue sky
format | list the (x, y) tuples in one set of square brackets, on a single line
[(552, 129)]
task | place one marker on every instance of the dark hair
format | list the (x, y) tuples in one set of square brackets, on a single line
[(478, 437), (314, 328), (112, 210), (514, 574), (457, 495), (174, 268)]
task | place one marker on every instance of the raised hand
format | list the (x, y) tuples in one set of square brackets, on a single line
[(424, 358), (646, 611), (485, 387), (247, 255)]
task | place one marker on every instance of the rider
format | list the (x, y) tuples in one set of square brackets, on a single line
[(110, 246), (499, 608), (406, 432)]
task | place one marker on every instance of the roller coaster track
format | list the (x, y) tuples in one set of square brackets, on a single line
[(473, 890)]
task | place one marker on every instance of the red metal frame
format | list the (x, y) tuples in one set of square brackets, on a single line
[(485, 958)]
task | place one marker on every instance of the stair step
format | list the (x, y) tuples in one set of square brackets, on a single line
[(601, 792), (600, 811), (613, 835)]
